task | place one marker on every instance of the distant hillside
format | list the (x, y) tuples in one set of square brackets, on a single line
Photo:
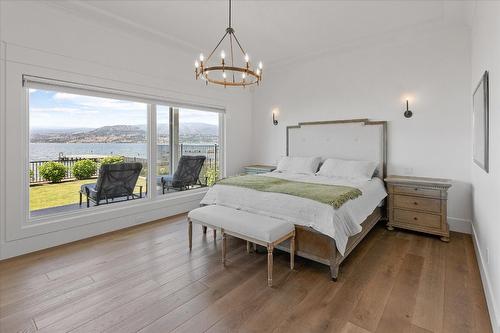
[(189, 129), (115, 130), (189, 132), (199, 129), (59, 130)]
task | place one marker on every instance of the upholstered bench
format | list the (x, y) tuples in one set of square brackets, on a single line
[(262, 230)]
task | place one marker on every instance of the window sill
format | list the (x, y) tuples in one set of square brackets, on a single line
[(136, 212)]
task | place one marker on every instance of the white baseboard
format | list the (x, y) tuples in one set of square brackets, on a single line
[(460, 225), (488, 291)]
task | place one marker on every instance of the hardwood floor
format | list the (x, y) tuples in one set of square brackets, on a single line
[(144, 279)]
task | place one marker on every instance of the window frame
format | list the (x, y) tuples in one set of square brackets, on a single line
[(152, 101)]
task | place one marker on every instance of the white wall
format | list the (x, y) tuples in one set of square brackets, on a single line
[(486, 186), (368, 81), (40, 38)]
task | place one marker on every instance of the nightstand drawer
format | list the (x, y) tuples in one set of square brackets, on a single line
[(414, 190), (426, 204), (417, 218)]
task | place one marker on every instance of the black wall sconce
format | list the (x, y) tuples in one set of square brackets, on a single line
[(408, 113), (275, 121)]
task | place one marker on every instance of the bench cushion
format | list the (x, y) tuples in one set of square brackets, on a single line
[(263, 228)]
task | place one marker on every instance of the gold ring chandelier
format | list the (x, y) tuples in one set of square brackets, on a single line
[(228, 74)]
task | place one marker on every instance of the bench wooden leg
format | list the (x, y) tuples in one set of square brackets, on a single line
[(270, 265), (248, 247), (190, 234), (224, 244), (292, 252)]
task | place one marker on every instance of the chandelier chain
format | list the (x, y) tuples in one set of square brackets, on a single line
[(237, 41), (231, 47), (215, 48), (229, 13)]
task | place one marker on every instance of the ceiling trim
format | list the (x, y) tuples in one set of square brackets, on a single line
[(400, 37), (105, 17)]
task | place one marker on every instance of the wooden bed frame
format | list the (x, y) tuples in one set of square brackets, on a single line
[(319, 247), (313, 245)]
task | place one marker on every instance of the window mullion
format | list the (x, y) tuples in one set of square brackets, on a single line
[(152, 150), (174, 138)]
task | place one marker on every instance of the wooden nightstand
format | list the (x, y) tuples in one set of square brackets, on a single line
[(257, 168), (418, 204)]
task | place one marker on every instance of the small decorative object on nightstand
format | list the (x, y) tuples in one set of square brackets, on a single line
[(418, 204), (257, 168)]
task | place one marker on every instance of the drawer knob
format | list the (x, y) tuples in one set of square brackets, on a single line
[(415, 218), (415, 203), (416, 188)]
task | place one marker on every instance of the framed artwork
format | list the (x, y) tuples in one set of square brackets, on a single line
[(480, 123)]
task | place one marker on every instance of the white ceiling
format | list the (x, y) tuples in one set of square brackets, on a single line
[(273, 31)]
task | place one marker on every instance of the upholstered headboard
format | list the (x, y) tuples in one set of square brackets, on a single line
[(354, 139)]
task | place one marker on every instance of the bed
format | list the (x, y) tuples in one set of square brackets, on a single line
[(323, 233)]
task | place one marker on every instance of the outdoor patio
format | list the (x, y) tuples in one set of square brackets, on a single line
[(49, 198)]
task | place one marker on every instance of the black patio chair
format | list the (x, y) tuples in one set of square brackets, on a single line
[(114, 181), (186, 175)]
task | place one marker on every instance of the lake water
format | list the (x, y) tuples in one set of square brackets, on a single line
[(51, 151)]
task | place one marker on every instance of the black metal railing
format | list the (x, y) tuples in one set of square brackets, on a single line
[(210, 170), (211, 152)]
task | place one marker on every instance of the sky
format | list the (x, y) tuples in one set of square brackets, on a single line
[(51, 109)]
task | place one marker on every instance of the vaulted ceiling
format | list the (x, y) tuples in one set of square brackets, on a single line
[(273, 31)]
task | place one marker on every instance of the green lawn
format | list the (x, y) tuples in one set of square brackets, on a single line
[(65, 193)]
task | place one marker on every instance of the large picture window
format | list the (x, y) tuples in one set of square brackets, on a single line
[(92, 150)]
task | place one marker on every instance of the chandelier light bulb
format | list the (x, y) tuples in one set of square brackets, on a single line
[(247, 58), (243, 75), (224, 74), (223, 54), (260, 64), (202, 57), (196, 64), (258, 71)]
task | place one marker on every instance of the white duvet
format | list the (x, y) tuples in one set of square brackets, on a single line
[(339, 223)]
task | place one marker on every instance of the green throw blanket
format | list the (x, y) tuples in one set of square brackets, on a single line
[(334, 195)]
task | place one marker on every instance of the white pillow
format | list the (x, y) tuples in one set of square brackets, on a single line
[(304, 165), (361, 170)]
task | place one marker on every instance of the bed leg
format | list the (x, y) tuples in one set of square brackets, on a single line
[(292, 251), (334, 271), (215, 234), (204, 229), (335, 260), (248, 247)]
